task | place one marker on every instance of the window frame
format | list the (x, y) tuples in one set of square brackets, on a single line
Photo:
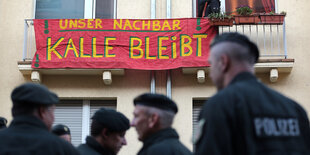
[(223, 2), (86, 106), (89, 9)]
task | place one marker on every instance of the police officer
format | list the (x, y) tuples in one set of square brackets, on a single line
[(153, 117), (246, 117), (33, 116), (108, 131), (62, 131), (3, 123)]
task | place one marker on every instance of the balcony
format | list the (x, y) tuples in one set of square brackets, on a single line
[(271, 40)]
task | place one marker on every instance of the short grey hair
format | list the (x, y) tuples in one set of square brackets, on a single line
[(165, 117)]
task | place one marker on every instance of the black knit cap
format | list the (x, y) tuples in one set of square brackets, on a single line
[(61, 129), (30, 93), (3, 122), (156, 100), (111, 119)]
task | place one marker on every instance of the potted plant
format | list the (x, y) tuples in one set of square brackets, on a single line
[(272, 18), (246, 16), (220, 19)]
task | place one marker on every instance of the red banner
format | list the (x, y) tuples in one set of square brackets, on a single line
[(122, 43)]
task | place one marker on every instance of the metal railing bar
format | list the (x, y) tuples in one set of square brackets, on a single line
[(242, 29), (284, 40), (271, 40), (257, 36), (264, 38), (25, 40), (279, 50)]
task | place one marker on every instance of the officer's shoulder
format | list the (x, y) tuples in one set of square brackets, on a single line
[(168, 147), (84, 149), (221, 97), (56, 140), (159, 148)]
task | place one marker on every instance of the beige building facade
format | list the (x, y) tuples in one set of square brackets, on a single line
[(84, 90)]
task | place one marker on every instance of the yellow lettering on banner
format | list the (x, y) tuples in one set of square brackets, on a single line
[(51, 48), (186, 45), (98, 23), (134, 25), (72, 23), (174, 48), (166, 25), (156, 25), (161, 48), (107, 47), (147, 49), (118, 24), (176, 24), (138, 47), (89, 23), (94, 49), (199, 37), (82, 55), (61, 24), (148, 24), (81, 23), (127, 24), (71, 46)]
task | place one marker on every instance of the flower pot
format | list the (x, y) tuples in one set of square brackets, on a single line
[(251, 19), (221, 21), (276, 19)]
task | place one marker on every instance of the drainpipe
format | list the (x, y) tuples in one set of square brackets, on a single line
[(153, 16), (169, 71)]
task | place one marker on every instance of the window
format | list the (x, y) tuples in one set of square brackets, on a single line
[(197, 105), (258, 6), (104, 9), (229, 6), (75, 9), (69, 112), (59, 9), (76, 114)]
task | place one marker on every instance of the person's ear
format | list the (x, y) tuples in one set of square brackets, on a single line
[(104, 133), (41, 112), (225, 61), (153, 119)]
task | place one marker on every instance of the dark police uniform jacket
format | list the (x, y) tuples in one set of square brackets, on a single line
[(164, 142), (248, 118), (27, 135), (92, 147)]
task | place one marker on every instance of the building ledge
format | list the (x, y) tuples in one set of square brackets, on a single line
[(270, 66), (25, 68), (36, 74)]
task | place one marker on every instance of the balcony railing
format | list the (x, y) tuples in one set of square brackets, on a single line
[(271, 39), (29, 48)]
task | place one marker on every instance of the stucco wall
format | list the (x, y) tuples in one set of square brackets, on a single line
[(296, 84), (12, 15)]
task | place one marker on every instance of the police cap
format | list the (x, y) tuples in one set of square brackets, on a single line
[(111, 119), (3, 122), (30, 93), (156, 100), (61, 129)]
